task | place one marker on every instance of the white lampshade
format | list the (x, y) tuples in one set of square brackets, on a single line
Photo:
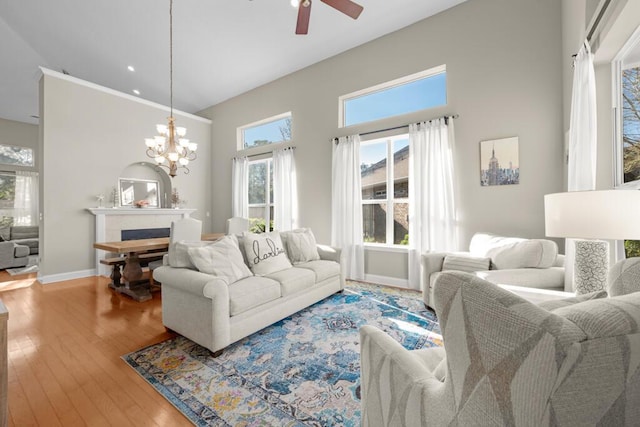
[(159, 159), (150, 142), (173, 156), (162, 129), (184, 161), (193, 146), (607, 214), (184, 142), (181, 131)]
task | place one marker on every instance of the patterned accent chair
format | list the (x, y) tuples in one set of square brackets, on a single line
[(508, 362)]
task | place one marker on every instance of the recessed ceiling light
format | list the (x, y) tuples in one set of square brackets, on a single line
[(130, 68), (136, 91)]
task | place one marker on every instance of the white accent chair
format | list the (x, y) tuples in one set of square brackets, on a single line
[(511, 261), (237, 225), (188, 229)]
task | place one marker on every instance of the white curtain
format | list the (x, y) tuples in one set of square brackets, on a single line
[(432, 208), (582, 139), (240, 187), (346, 205), (285, 190), (25, 205)]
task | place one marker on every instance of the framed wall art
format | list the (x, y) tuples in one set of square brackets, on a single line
[(499, 163)]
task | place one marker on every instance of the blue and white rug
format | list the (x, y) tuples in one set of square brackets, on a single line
[(301, 371)]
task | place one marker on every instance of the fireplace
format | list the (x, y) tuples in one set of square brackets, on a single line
[(144, 233)]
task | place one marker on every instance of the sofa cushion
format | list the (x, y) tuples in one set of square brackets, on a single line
[(465, 263), (251, 292), (220, 259), (178, 255), (20, 251), (33, 244), (293, 280), (514, 252), (23, 232), (323, 269), (300, 245), (265, 253)]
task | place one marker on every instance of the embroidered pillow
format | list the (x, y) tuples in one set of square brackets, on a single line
[(220, 259), (301, 245), (265, 253), (465, 263), (179, 255)]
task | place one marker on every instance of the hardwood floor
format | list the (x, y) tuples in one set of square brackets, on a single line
[(65, 342)]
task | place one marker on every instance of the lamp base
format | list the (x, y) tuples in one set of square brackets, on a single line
[(591, 266)]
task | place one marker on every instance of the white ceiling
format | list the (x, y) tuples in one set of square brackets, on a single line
[(222, 48)]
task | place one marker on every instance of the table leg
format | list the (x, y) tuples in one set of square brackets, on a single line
[(132, 272), (115, 277)]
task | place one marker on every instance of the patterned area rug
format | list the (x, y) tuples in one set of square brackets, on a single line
[(303, 370)]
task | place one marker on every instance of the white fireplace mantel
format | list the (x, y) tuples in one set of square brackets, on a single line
[(110, 221)]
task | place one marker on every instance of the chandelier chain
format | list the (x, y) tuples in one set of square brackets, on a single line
[(171, 56)]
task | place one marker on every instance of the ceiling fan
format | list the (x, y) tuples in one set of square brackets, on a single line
[(347, 7)]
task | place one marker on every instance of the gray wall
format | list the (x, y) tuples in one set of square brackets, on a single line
[(504, 77), (22, 135), (88, 137)]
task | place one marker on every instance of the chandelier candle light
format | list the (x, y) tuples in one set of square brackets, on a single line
[(170, 148)]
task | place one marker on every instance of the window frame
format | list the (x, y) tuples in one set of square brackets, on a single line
[(390, 199), (240, 143), (342, 99)]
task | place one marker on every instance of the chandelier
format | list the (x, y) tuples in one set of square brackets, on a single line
[(170, 149)]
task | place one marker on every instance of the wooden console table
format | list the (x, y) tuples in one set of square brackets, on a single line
[(132, 270)]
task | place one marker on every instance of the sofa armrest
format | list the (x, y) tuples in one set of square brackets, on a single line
[(397, 388), (559, 261), (192, 281), (329, 253)]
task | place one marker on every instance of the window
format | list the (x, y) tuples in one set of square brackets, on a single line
[(260, 195), (18, 198), (416, 92), (626, 76), (384, 170), (273, 130), (16, 156)]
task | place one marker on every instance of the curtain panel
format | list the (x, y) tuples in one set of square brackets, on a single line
[(285, 190), (582, 140), (346, 206), (240, 187), (432, 207), (25, 205)]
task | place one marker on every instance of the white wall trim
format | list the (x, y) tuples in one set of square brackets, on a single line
[(53, 278), (386, 280), (126, 96)]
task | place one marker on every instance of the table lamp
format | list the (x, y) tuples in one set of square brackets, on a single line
[(591, 215)]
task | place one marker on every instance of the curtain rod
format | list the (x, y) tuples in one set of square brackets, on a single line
[(596, 22), (264, 154), (451, 116)]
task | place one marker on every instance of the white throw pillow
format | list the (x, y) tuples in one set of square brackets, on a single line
[(220, 259), (265, 253), (469, 264), (179, 255), (300, 245)]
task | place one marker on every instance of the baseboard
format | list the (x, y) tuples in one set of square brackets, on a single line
[(385, 280), (53, 278)]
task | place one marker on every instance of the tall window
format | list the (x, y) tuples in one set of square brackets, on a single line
[(272, 130), (261, 195), (18, 198), (419, 91), (384, 169), (16, 156), (627, 83)]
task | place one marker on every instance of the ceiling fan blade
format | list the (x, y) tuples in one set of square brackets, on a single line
[(303, 18), (345, 6)]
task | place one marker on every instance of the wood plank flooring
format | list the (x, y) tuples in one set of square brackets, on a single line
[(65, 342)]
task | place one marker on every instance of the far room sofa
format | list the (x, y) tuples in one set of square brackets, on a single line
[(511, 261), (218, 293)]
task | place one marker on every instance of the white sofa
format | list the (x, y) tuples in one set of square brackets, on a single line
[(511, 261), (214, 311)]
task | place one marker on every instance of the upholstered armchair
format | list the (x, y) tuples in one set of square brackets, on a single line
[(508, 362), (13, 255), (513, 261)]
